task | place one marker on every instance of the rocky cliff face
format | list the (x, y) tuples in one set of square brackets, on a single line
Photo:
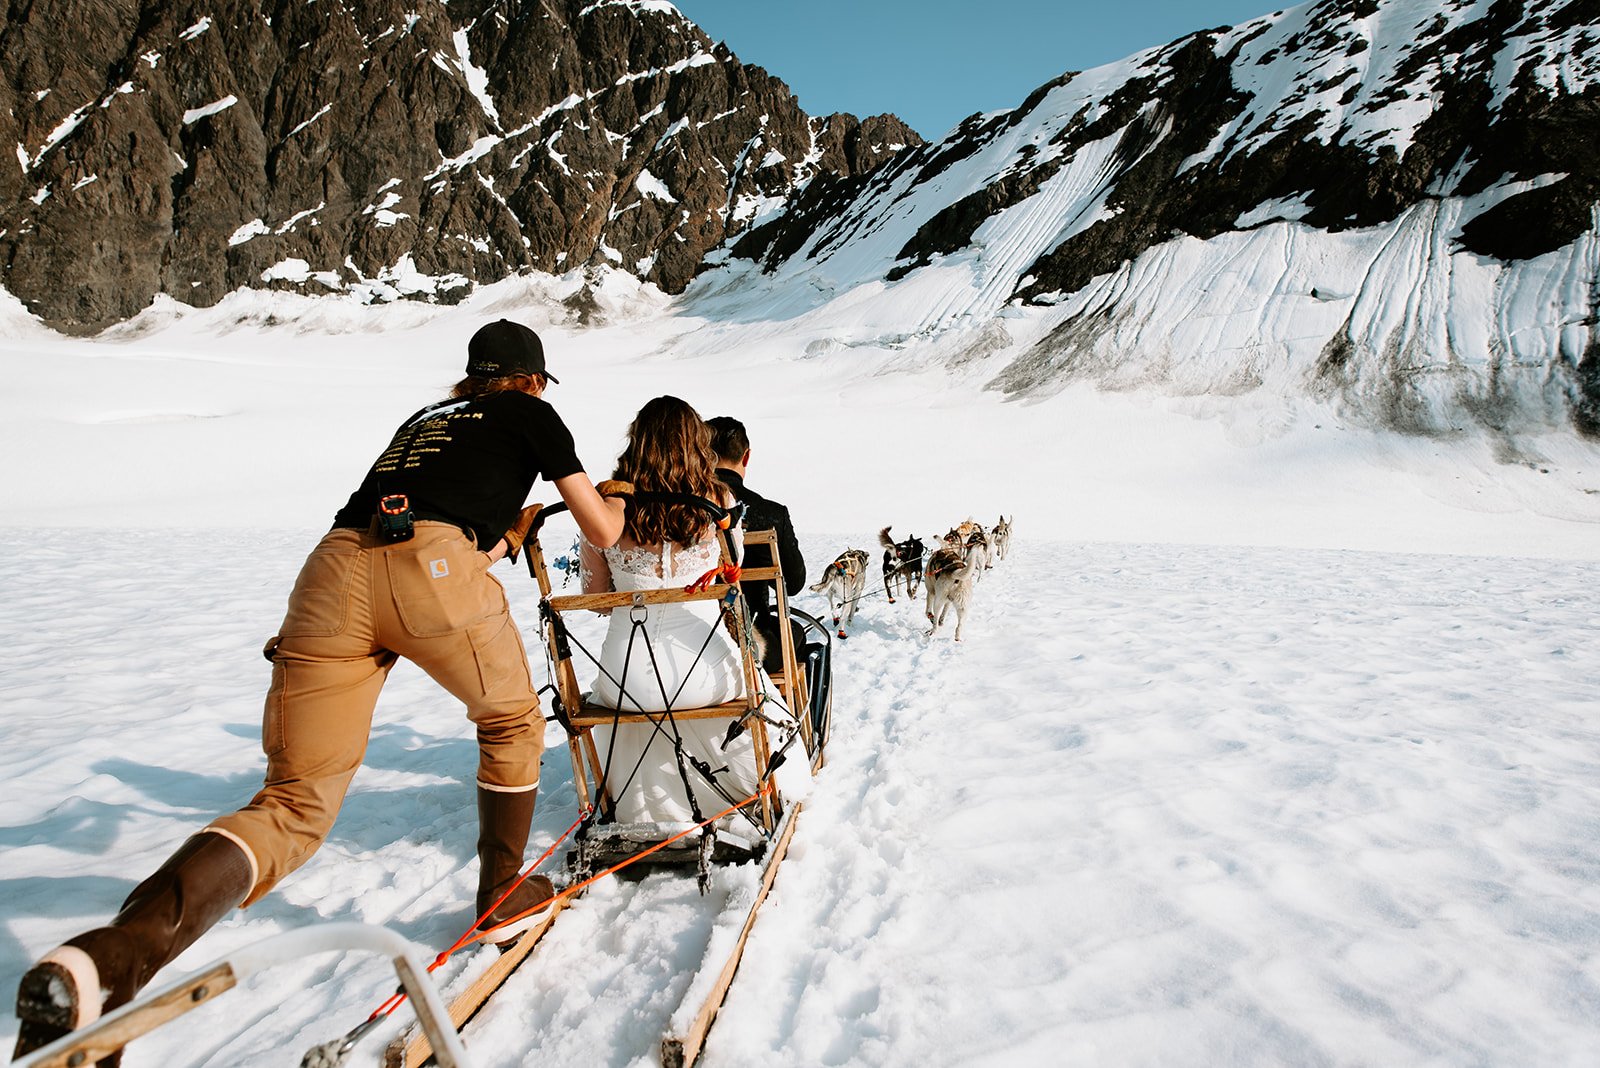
[(1393, 200), (381, 148)]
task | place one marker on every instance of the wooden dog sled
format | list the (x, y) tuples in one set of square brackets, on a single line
[(756, 829)]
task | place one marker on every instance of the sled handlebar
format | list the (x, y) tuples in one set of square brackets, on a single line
[(718, 514)]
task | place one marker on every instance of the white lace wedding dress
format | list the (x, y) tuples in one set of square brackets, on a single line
[(664, 656)]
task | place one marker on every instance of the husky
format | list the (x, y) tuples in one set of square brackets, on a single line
[(1001, 537), (843, 581), (978, 549), (902, 564), (949, 574)]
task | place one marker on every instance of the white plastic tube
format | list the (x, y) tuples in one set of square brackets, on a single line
[(291, 946)]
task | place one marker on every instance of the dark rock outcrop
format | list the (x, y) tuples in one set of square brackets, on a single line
[(381, 148)]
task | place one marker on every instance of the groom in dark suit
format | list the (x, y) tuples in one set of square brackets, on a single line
[(732, 446)]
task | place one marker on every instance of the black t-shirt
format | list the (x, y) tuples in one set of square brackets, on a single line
[(469, 461)]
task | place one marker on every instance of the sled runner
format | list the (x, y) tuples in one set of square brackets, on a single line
[(726, 829)]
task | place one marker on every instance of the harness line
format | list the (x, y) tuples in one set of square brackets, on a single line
[(473, 934)]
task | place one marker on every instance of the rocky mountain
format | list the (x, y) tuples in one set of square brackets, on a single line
[(382, 149), (1394, 204)]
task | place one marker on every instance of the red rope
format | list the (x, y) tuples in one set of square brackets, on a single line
[(472, 933)]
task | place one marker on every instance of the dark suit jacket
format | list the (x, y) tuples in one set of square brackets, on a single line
[(763, 514)]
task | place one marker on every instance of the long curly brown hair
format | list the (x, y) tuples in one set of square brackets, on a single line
[(668, 451)]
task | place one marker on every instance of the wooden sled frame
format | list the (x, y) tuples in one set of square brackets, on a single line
[(588, 770), (689, 1025)]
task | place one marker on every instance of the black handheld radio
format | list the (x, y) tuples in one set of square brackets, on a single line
[(395, 521)]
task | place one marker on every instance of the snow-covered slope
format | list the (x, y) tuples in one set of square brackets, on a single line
[(1391, 204)]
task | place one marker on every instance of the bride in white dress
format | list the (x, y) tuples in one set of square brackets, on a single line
[(668, 656)]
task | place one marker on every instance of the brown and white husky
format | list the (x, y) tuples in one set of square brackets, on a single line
[(979, 551), (1000, 537), (949, 575), (843, 582)]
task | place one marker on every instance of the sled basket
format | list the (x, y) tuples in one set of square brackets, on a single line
[(604, 841)]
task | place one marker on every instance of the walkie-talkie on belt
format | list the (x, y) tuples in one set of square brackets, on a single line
[(395, 521)]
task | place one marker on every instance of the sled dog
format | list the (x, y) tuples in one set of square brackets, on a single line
[(902, 564), (843, 582), (949, 576), (1000, 536), (978, 549)]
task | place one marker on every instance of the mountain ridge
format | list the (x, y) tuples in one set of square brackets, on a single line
[(1349, 124), (1392, 204), (387, 150)]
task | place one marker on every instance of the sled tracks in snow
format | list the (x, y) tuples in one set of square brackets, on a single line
[(689, 1024)]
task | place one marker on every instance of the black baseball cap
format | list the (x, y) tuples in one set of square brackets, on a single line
[(506, 348)]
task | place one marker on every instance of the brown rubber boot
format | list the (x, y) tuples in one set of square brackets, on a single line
[(503, 821), (103, 969)]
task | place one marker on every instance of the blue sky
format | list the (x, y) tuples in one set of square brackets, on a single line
[(934, 62)]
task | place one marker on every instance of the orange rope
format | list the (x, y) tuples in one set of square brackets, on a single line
[(474, 935), (479, 936), (399, 997), (729, 573)]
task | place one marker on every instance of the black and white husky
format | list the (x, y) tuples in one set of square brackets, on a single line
[(843, 582), (949, 574), (902, 564)]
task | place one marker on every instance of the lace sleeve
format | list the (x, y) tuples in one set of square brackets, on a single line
[(596, 571)]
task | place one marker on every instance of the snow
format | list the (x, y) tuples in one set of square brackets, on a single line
[(477, 79), (196, 114), (195, 31), (122, 90), (649, 185), (480, 148), (294, 220), (320, 112), (62, 131), (292, 269), (1271, 742)]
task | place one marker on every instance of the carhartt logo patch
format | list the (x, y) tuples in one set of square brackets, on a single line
[(438, 568)]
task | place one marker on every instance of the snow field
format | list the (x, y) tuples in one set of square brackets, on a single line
[(1201, 806), (1168, 801), (1162, 804)]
